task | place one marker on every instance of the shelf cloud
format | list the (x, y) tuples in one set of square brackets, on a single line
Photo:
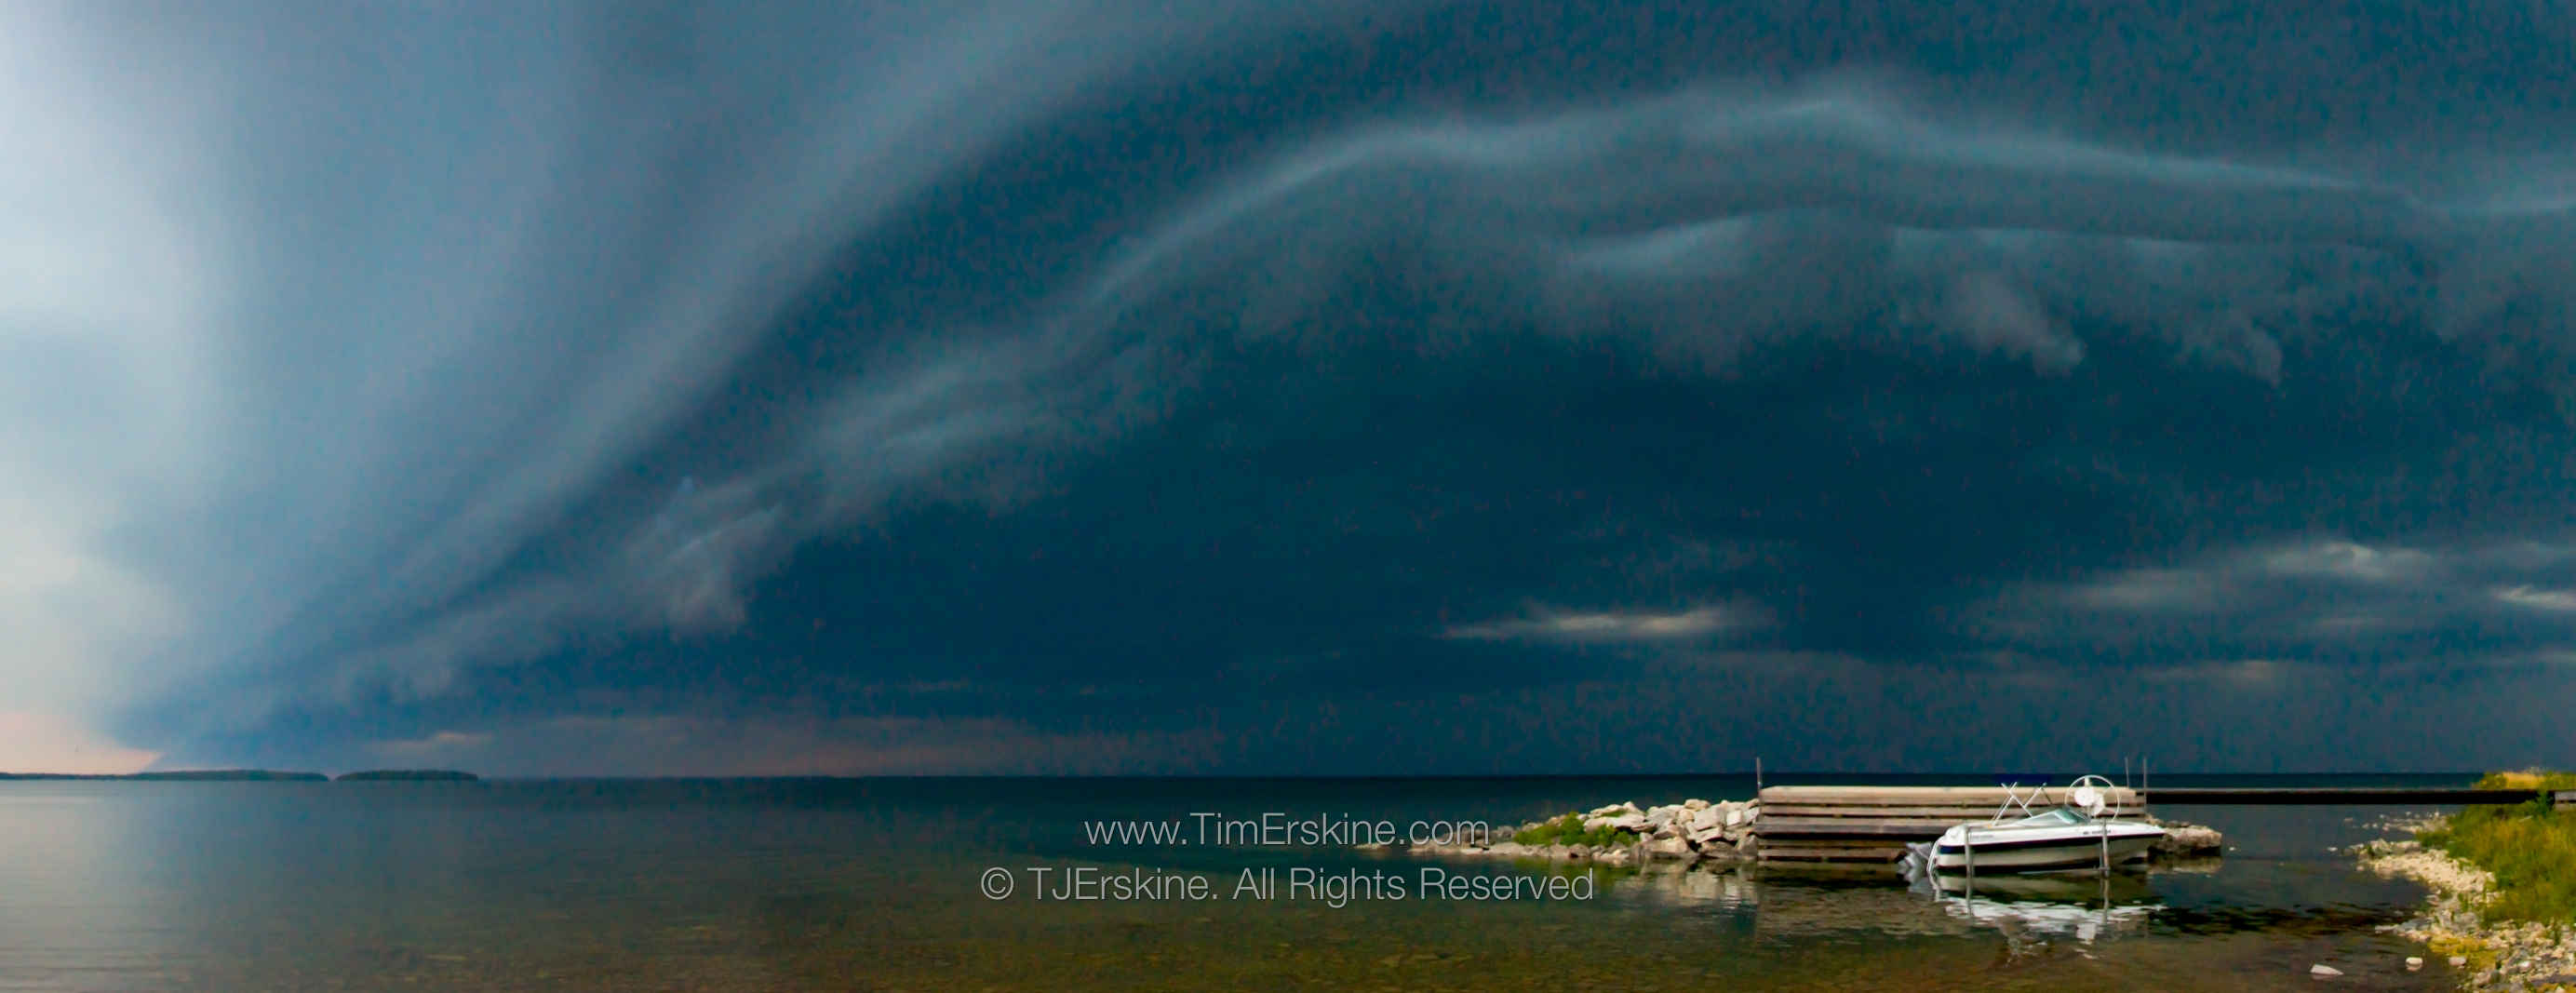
[(485, 381)]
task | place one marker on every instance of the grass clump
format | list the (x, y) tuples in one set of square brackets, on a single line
[(2530, 847), (2480, 955), (2528, 779), (1569, 830)]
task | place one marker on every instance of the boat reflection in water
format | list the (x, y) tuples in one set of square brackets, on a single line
[(1865, 903), (2083, 908)]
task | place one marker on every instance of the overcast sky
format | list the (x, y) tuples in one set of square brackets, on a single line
[(1105, 386)]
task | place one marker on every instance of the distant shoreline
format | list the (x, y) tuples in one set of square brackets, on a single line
[(1687, 779), (248, 776)]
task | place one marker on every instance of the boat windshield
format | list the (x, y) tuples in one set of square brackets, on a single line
[(2061, 815)]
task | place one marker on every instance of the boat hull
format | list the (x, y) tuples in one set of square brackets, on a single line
[(2049, 850)]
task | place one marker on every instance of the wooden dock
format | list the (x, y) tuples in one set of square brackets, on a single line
[(1874, 823)]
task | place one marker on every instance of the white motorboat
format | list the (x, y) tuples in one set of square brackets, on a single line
[(2077, 835)]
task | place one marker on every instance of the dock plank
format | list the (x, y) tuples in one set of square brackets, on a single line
[(1806, 853), (1847, 827), (1965, 812), (1927, 795)]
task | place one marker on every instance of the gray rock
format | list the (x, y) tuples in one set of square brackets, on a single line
[(1612, 810), (2322, 970), (1695, 805), (2189, 839), (1670, 848), (1707, 818)]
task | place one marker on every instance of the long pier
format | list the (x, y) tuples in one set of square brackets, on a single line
[(2353, 795)]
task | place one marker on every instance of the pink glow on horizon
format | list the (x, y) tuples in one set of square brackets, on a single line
[(32, 742)]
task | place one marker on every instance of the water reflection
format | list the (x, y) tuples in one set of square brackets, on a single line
[(1808, 902), (1805, 902), (72, 901), (801, 886), (2030, 907)]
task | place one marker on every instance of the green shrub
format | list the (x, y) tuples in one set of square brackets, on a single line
[(1569, 830), (2530, 848)]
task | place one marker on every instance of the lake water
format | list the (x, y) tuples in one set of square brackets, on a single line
[(878, 884)]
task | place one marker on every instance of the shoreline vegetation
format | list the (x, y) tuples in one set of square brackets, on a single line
[(2503, 905), (247, 776), (1691, 831)]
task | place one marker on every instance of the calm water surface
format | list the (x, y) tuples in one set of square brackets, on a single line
[(876, 884)]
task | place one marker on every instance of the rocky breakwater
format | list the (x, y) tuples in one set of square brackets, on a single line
[(2187, 841), (1622, 834), (2519, 956)]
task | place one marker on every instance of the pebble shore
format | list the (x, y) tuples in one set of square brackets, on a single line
[(2516, 957)]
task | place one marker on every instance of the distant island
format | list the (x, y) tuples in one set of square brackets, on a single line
[(409, 775), (255, 776), (192, 775)]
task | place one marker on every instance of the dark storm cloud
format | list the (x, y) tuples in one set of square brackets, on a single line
[(1084, 392)]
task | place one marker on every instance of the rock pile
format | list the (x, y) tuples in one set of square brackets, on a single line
[(1684, 832), (2186, 840)]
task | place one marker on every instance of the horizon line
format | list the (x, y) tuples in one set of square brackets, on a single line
[(1766, 774)]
